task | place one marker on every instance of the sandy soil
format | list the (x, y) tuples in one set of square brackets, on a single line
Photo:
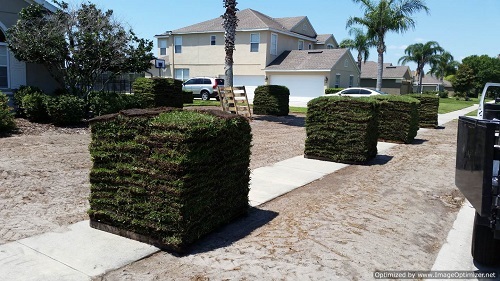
[(393, 213)]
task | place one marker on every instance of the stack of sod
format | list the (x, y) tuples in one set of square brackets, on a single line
[(187, 97), (428, 112), (398, 118), (342, 129), (271, 100), (158, 92), (168, 176)]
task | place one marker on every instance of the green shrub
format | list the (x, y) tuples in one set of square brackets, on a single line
[(150, 167), (19, 95), (159, 92), (271, 100), (66, 109), (398, 118), (102, 103), (443, 94), (7, 123), (187, 97), (342, 129), (333, 90), (35, 106), (428, 110)]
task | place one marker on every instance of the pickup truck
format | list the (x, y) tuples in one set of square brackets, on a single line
[(477, 176)]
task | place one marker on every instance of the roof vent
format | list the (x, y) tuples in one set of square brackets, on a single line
[(315, 52), (391, 66)]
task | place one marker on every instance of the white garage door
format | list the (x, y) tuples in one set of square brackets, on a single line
[(301, 86), (250, 82)]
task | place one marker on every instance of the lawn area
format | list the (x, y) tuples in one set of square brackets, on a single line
[(203, 103), (295, 109), (451, 104)]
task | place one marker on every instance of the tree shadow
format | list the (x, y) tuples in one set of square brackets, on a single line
[(380, 159), (231, 233), (418, 141), (487, 269), (290, 120)]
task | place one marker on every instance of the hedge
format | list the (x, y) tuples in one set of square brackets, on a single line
[(19, 95), (342, 129), (271, 100), (158, 92), (7, 123), (398, 118), (167, 176), (102, 103), (66, 109), (35, 106), (187, 97), (428, 110), (333, 90)]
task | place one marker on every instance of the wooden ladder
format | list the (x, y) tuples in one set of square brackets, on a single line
[(235, 100)]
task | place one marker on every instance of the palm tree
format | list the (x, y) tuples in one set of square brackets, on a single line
[(384, 16), (421, 54), (230, 23), (360, 43), (443, 66)]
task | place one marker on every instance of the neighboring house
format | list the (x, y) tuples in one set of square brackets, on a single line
[(14, 73), (396, 79), (431, 83), (198, 50), (308, 72)]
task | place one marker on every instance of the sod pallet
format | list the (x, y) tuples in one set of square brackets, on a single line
[(168, 176), (271, 100), (159, 92), (428, 111), (398, 118), (342, 129)]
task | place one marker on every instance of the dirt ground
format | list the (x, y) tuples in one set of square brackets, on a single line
[(392, 214)]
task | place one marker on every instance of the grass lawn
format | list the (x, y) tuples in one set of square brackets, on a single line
[(451, 104), (295, 109), (203, 103)]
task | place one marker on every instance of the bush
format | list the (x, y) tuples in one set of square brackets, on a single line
[(19, 95), (271, 100), (7, 123), (150, 167), (428, 110), (398, 118), (35, 106), (159, 92), (342, 129), (333, 90), (66, 109), (443, 94), (102, 103)]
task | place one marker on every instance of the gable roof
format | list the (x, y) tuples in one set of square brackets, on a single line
[(369, 70), (248, 19), (307, 60)]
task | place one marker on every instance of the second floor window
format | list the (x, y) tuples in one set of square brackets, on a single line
[(178, 44), (330, 46), (274, 44), (254, 42), (301, 45), (163, 47), (213, 40)]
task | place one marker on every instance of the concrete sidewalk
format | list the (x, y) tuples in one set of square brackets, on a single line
[(81, 253)]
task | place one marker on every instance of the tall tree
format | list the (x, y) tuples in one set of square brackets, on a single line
[(485, 68), (386, 16), (421, 54), (443, 65), (77, 45), (464, 80), (361, 43), (230, 23)]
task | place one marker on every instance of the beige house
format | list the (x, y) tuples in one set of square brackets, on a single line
[(198, 50), (430, 84), (396, 79), (14, 73)]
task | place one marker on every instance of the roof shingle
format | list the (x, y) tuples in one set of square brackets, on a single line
[(307, 60), (369, 69)]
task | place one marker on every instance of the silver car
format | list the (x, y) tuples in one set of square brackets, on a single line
[(203, 87), (357, 92)]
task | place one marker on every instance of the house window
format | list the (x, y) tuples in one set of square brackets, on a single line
[(162, 44), (4, 63), (254, 42), (346, 63), (351, 80), (310, 47), (178, 44), (330, 46), (274, 44), (181, 74), (337, 80), (213, 40), (301, 44)]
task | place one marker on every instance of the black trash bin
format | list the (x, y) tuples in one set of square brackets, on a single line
[(491, 111)]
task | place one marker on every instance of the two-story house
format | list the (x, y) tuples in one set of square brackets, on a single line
[(396, 79), (268, 51), (14, 73)]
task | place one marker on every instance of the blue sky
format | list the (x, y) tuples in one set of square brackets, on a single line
[(462, 27)]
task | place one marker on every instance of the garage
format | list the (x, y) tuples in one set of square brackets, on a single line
[(251, 82), (307, 86)]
